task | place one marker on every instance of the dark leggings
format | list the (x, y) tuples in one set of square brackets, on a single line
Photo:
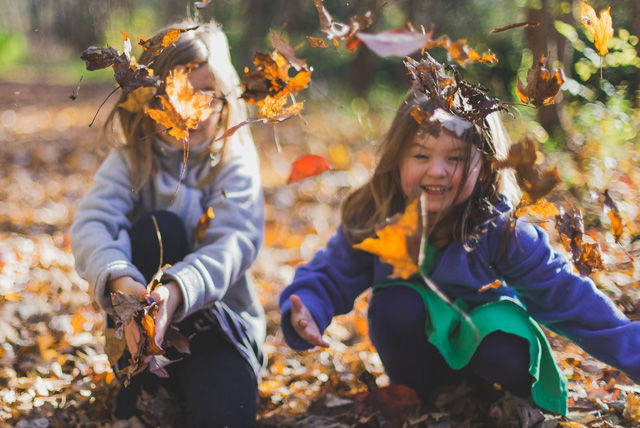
[(215, 385), (396, 325)]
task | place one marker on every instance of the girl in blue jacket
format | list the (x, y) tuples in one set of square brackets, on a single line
[(472, 242), (207, 292)]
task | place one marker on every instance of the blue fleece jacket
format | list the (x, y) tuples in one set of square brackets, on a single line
[(532, 274)]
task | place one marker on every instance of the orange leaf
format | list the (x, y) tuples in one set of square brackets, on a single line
[(460, 51), (183, 109), (541, 207), (273, 109), (200, 231), (162, 40), (600, 28), (138, 100), (308, 166), (542, 87), (148, 328), (585, 256), (393, 243), (317, 42), (495, 284), (611, 208)]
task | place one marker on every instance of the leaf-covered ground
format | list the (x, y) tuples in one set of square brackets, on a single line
[(53, 372)]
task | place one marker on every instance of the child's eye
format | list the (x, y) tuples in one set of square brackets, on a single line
[(420, 156), (455, 158)]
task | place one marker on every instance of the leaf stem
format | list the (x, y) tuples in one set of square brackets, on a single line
[(105, 100)]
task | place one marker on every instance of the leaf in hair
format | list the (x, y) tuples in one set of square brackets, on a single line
[(395, 242)]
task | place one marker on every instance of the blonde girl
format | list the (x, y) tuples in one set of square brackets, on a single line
[(207, 292)]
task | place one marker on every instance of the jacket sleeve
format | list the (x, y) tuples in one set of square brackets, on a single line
[(567, 303), (328, 286), (99, 233), (234, 237)]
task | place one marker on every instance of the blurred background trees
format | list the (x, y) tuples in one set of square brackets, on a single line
[(42, 40)]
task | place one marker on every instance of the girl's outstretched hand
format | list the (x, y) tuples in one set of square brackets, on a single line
[(169, 298), (128, 285), (304, 324)]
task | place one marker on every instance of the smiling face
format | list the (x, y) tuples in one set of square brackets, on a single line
[(436, 165), (202, 80)]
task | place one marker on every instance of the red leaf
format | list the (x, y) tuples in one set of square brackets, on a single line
[(308, 166)]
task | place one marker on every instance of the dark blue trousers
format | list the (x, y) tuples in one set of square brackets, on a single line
[(215, 385), (396, 327)]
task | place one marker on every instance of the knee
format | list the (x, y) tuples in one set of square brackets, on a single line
[(396, 313)]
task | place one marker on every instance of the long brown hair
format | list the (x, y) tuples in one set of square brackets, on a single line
[(130, 130), (368, 207)]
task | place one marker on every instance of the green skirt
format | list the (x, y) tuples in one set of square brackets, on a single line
[(457, 341)]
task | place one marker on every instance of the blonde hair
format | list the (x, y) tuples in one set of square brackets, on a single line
[(130, 130), (368, 207)]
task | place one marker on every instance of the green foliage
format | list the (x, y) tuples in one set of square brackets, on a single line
[(13, 47)]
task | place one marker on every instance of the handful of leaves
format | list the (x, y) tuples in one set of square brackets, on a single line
[(142, 311)]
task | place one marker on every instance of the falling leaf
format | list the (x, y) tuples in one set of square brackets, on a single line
[(337, 30), (541, 87), (541, 207), (600, 28), (460, 51), (200, 231), (98, 58), (282, 46), (183, 108), (494, 285), (308, 166), (74, 94), (522, 158), (138, 100), (611, 208), (394, 43), (274, 110), (317, 42), (271, 78), (585, 256), (162, 40), (394, 240), (516, 25)]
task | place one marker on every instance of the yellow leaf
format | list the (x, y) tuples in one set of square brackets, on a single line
[(273, 109), (633, 407), (138, 100), (541, 207), (392, 244), (200, 231), (600, 28)]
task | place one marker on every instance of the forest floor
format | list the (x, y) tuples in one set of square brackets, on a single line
[(53, 370)]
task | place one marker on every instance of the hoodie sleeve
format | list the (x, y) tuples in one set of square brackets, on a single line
[(234, 237), (566, 302), (328, 286), (99, 233)]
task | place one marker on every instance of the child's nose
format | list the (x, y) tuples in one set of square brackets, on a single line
[(437, 169)]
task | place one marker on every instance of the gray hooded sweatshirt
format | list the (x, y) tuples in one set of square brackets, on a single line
[(213, 277)]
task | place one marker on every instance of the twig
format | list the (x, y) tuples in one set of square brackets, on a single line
[(105, 100), (155, 223)]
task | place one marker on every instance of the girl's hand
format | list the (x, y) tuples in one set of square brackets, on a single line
[(128, 285), (304, 324), (169, 298)]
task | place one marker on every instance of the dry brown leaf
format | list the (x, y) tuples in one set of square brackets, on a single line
[(162, 40), (460, 51), (611, 208), (542, 87)]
